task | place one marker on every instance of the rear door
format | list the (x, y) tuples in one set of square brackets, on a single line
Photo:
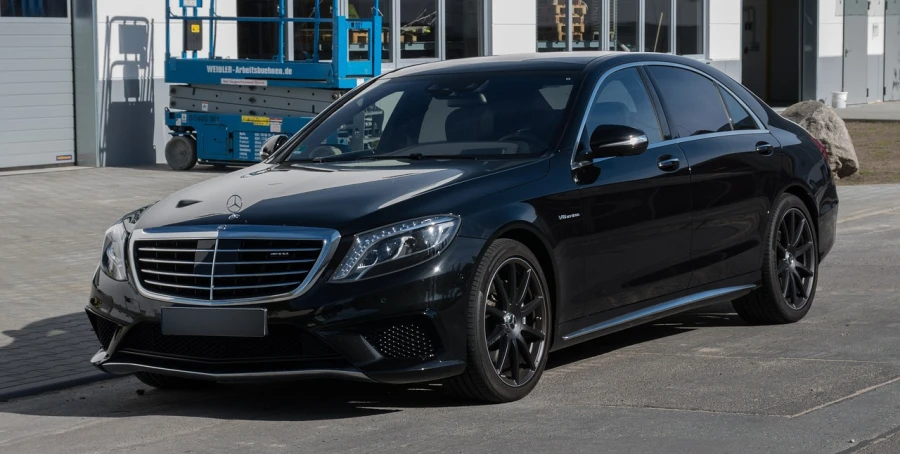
[(636, 209), (734, 171)]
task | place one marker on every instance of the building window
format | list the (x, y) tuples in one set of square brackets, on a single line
[(623, 25), (418, 28), (589, 15), (34, 8), (465, 28), (551, 25), (657, 20), (689, 27)]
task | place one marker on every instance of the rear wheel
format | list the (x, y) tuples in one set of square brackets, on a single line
[(509, 325), (170, 382), (790, 267), (181, 152)]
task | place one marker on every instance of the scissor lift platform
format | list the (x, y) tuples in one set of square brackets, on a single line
[(222, 110)]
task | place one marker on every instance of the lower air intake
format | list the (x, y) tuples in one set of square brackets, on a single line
[(406, 340)]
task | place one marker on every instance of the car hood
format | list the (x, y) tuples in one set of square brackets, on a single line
[(349, 197)]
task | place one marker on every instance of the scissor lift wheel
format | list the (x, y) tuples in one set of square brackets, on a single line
[(181, 152)]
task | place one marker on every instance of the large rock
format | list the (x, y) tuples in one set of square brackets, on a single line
[(824, 124)]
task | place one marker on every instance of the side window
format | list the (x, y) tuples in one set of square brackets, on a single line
[(740, 118), (692, 102), (623, 100)]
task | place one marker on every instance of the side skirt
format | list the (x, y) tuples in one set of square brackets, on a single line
[(593, 326)]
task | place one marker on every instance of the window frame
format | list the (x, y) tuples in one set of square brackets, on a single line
[(658, 105), (661, 121), (41, 19)]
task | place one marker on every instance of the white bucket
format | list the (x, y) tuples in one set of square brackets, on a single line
[(839, 99)]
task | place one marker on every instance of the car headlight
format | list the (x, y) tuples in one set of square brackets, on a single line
[(396, 247), (112, 262)]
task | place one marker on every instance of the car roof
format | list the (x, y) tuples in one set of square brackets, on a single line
[(546, 61)]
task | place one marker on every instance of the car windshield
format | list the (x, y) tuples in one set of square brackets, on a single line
[(466, 116)]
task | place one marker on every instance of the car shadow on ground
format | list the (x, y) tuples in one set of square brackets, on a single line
[(322, 399)]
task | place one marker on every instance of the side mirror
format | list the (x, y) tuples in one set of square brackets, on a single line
[(271, 145), (616, 140)]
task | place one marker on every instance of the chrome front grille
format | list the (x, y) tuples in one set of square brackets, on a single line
[(229, 264)]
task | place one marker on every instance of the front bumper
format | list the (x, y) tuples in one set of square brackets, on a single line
[(404, 327)]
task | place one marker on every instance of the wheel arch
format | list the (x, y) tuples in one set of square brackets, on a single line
[(537, 243), (803, 194)]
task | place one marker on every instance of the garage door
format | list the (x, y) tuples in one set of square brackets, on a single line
[(36, 100)]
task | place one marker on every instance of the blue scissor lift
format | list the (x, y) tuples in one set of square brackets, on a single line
[(222, 109)]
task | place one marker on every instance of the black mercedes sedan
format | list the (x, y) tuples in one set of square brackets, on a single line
[(458, 222)]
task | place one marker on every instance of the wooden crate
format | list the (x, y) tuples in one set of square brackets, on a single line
[(359, 37)]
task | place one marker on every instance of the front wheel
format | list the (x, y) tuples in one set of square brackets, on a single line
[(509, 325), (790, 267)]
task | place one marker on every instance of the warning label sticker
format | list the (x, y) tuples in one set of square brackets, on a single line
[(257, 121), (249, 82)]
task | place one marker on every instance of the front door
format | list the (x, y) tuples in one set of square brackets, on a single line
[(735, 165), (636, 210), (856, 60)]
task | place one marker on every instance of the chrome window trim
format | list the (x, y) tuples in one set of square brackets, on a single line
[(761, 129), (709, 136), (329, 237)]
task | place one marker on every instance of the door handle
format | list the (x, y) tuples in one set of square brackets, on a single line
[(668, 163), (764, 148)]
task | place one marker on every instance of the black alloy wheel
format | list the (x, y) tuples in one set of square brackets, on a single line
[(509, 325), (515, 321), (796, 259), (790, 266)]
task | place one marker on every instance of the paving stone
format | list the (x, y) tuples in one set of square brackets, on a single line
[(50, 239)]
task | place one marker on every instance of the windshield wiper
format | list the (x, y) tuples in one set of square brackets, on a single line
[(412, 156), (420, 156)]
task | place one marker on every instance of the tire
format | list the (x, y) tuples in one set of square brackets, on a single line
[(170, 382), (526, 324), (181, 152), (790, 267)]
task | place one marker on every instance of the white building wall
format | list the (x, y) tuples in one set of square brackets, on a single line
[(725, 36), (37, 120), (830, 68), (513, 26)]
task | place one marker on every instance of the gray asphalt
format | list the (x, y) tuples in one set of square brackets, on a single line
[(697, 382)]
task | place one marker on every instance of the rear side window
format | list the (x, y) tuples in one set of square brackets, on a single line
[(623, 100), (693, 104), (740, 118)]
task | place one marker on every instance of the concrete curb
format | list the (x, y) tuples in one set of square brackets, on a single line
[(54, 384)]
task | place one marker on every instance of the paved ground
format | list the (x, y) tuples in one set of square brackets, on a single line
[(50, 239), (698, 382), (879, 111)]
